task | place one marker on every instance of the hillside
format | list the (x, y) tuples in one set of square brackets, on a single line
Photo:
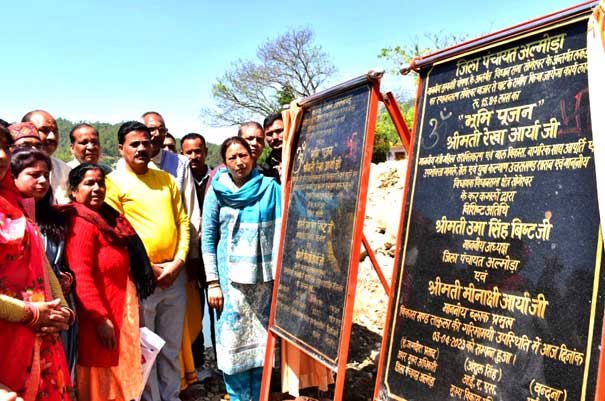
[(108, 134)]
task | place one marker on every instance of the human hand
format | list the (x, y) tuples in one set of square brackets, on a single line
[(66, 280), (6, 395), (157, 270), (169, 273), (215, 296), (107, 335), (52, 318)]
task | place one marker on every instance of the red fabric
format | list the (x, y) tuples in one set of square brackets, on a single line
[(101, 264), (38, 370), (9, 191)]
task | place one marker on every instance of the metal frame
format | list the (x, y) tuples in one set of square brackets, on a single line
[(444, 55), (358, 236)]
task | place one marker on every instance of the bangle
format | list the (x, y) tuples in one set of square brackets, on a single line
[(214, 285), (28, 312), (35, 312)]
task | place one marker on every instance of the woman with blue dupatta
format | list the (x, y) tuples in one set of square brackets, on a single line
[(240, 239)]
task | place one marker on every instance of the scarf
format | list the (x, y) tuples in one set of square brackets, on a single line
[(254, 233), (23, 275), (118, 231)]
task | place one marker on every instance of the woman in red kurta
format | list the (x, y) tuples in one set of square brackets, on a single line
[(109, 359)]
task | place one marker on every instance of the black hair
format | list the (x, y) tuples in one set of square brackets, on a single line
[(130, 126), (50, 221), (271, 118), (72, 138), (4, 123), (240, 131), (192, 135), (23, 158), (8, 138), (76, 175), (169, 135), (230, 141)]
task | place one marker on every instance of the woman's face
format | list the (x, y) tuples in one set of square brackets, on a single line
[(33, 181), (91, 190), (239, 163), (5, 156)]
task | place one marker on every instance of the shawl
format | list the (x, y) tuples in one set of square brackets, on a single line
[(256, 228), (118, 231)]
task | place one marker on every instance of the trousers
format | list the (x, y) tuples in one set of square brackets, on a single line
[(163, 312), (244, 386)]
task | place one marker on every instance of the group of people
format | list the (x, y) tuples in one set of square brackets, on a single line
[(90, 253)]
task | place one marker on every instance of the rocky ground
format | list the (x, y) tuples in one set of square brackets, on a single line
[(383, 209)]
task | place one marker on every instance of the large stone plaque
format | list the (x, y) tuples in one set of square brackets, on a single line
[(321, 223), (499, 295)]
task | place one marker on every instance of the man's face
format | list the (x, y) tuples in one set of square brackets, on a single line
[(275, 134), (196, 152), (158, 131), (136, 151), (169, 144), (86, 147), (47, 128), (255, 138)]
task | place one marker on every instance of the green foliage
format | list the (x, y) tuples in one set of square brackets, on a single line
[(285, 95), (400, 57), (108, 135), (262, 159), (214, 154), (386, 133)]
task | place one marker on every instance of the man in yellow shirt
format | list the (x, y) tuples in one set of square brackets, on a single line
[(151, 201)]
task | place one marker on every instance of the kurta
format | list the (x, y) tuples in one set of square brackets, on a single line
[(241, 329), (101, 271)]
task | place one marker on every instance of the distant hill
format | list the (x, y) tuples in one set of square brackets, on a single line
[(108, 134)]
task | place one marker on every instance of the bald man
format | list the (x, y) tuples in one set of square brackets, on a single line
[(49, 134)]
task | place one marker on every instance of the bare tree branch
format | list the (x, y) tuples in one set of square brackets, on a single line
[(289, 64)]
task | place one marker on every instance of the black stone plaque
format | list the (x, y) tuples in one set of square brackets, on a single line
[(321, 221), (499, 294)]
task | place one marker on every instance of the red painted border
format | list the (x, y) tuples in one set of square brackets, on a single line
[(452, 51), (354, 264), (396, 266), (494, 37)]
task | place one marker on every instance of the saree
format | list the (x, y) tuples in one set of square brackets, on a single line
[(38, 366)]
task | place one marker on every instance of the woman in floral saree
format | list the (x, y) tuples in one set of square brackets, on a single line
[(32, 307)]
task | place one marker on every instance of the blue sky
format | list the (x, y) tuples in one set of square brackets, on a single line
[(112, 60)]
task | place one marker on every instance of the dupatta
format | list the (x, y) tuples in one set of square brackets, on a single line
[(37, 362), (254, 233)]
